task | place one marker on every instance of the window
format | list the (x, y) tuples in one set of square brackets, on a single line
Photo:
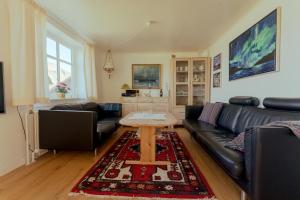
[(59, 61), (65, 63)]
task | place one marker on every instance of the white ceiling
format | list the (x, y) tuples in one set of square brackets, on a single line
[(180, 25)]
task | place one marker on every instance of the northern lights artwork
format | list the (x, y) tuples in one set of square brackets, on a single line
[(254, 52)]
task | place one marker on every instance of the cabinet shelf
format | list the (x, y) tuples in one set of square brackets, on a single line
[(198, 83), (182, 71), (201, 71), (182, 83)]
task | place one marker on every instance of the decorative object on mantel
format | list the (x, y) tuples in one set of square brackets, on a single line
[(61, 90), (125, 86), (256, 51), (161, 94), (146, 76), (109, 65)]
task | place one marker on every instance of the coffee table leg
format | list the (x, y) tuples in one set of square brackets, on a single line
[(148, 148)]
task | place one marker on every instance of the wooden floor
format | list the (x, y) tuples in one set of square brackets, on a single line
[(52, 177)]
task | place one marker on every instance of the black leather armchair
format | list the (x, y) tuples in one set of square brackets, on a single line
[(272, 163), (79, 126)]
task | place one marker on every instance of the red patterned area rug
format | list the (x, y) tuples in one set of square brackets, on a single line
[(112, 177)]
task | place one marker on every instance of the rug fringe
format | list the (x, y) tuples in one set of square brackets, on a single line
[(73, 194)]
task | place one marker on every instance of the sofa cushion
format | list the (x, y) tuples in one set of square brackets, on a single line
[(232, 161), (229, 117), (196, 126), (107, 110), (114, 120), (67, 107), (251, 116), (211, 112), (105, 129)]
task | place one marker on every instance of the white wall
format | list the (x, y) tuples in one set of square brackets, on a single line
[(110, 89), (284, 83), (12, 142)]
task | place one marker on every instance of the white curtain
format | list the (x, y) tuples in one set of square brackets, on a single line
[(27, 27), (90, 72), (42, 84)]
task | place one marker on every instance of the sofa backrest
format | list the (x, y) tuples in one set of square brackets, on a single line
[(229, 117), (67, 107), (251, 117), (230, 113)]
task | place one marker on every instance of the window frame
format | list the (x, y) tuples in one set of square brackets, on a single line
[(61, 41)]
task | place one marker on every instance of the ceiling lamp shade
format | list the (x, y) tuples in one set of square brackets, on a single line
[(109, 65)]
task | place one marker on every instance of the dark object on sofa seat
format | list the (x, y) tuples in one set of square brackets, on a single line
[(269, 167), (244, 100), (77, 126)]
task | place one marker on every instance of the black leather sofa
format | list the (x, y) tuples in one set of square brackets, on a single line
[(269, 169), (77, 126)]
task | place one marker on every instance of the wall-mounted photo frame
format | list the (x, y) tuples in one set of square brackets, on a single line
[(217, 62), (256, 51), (146, 76), (217, 80), (2, 99)]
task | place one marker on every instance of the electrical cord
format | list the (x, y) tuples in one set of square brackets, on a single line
[(23, 127)]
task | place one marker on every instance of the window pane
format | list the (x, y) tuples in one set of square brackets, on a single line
[(52, 74), (51, 47), (65, 73), (65, 53)]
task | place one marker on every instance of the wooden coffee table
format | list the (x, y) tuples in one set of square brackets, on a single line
[(147, 129)]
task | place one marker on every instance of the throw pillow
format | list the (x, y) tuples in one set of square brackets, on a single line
[(215, 113), (210, 113), (205, 115), (237, 143)]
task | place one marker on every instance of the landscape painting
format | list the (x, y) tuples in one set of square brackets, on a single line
[(254, 52), (146, 76)]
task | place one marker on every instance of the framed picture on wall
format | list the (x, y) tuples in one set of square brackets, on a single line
[(146, 76), (256, 51), (217, 62), (217, 80)]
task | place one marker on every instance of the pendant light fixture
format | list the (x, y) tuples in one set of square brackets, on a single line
[(109, 65)]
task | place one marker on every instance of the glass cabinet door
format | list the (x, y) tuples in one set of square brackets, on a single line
[(182, 82), (198, 81)]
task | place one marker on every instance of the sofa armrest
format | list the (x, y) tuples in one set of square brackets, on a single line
[(272, 163), (193, 112), (65, 129)]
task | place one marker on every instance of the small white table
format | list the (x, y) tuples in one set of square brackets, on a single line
[(147, 127)]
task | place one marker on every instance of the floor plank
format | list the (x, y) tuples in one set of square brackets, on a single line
[(52, 177)]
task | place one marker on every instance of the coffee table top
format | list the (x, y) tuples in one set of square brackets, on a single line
[(148, 119)]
